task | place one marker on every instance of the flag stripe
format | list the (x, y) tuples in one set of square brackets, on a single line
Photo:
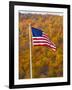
[(40, 38), (45, 36), (43, 44)]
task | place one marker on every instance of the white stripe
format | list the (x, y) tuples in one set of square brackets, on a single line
[(40, 37), (42, 40), (45, 35), (37, 37), (53, 46), (40, 43)]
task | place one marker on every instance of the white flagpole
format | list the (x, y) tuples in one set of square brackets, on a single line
[(30, 51)]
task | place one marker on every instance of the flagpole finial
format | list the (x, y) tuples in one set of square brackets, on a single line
[(29, 24)]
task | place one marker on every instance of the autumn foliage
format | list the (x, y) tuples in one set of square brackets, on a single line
[(45, 62)]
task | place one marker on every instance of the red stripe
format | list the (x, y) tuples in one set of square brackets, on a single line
[(41, 42), (54, 49), (44, 35), (40, 39), (45, 44)]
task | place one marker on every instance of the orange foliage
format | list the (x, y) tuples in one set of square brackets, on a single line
[(45, 62)]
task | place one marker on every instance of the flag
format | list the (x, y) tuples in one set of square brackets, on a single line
[(39, 38)]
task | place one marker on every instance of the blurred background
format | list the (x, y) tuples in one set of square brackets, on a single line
[(45, 61)]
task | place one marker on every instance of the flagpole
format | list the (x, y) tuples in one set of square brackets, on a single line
[(30, 51)]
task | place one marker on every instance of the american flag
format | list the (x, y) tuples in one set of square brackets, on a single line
[(39, 38)]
